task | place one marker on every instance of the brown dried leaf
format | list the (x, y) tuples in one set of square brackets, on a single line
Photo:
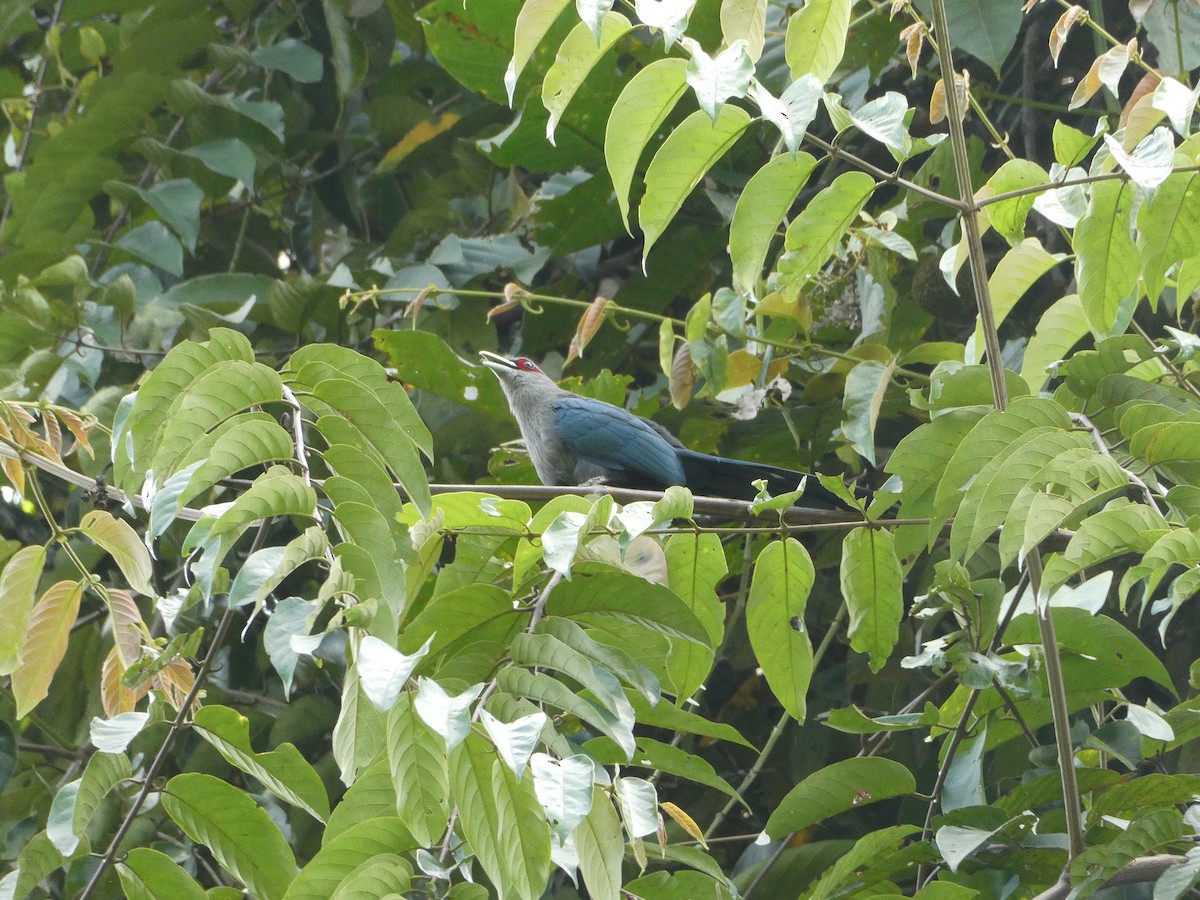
[(175, 682), (589, 324), (114, 696), (53, 434), (683, 377), (79, 427), (938, 109), (414, 308), (1062, 28), (1138, 117), (12, 468), (898, 7), (914, 39), (127, 626)]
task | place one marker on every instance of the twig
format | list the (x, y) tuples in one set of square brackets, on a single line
[(1139, 871), (1084, 422)]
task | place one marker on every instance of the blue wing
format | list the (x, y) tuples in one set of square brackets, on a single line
[(617, 441)]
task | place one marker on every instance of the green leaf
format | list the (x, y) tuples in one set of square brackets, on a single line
[(639, 112), (577, 56), (761, 207), (664, 715), (45, 644), (611, 659), (1146, 834), (501, 819), (459, 618), (689, 151), (1008, 216), (426, 362), (1098, 651), (178, 203), (104, 772), (282, 771), (745, 20), (695, 566), (241, 442), (1060, 328), (1168, 223), (117, 538), (542, 688), (299, 61), (1111, 532), (590, 598), (227, 156), (984, 29), (340, 857), (816, 38), (1013, 276), (600, 844), (866, 387), (153, 243), (384, 875), (871, 583), (1169, 442), (1106, 261), (370, 797), (217, 394), (990, 497), (848, 784), (544, 651), (652, 754), (417, 758), (867, 850), (238, 831), (148, 874), (535, 20), (154, 400), (18, 585), (783, 578), (813, 235)]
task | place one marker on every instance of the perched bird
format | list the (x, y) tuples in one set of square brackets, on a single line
[(577, 440)]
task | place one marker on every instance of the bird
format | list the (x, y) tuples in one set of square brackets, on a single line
[(576, 440)]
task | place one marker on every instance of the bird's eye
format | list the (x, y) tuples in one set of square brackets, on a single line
[(526, 365)]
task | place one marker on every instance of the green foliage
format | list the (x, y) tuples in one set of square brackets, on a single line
[(252, 487)]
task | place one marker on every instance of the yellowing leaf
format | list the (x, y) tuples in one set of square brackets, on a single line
[(45, 644), (117, 537), (419, 135), (685, 821), (17, 586)]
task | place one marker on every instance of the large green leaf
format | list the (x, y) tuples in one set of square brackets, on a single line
[(501, 819), (836, 788), (871, 583), (1106, 260), (417, 758), (148, 874), (695, 566), (340, 857), (282, 771), (1060, 328), (812, 236), (762, 205), (1132, 528), (577, 56), (639, 112), (238, 831), (816, 38), (588, 598), (1168, 224), (783, 578), (690, 150)]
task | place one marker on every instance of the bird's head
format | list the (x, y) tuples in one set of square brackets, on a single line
[(515, 373)]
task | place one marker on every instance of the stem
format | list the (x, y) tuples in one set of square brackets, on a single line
[(776, 734), (979, 276)]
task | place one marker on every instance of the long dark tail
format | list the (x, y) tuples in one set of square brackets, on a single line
[(717, 476)]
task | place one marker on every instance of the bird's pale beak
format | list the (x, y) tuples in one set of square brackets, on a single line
[(496, 362)]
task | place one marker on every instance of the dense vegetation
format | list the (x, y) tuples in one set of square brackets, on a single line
[(282, 608)]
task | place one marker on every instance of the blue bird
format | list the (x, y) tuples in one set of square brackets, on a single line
[(576, 440)]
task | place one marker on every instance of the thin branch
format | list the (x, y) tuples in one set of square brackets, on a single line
[(177, 726), (1056, 687), (34, 105), (1084, 422), (1140, 871)]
